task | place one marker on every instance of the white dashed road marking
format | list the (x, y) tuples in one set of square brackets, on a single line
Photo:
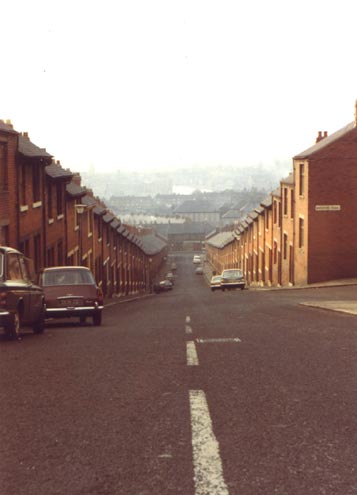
[(206, 457), (218, 341), (188, 329), (188, 319), (191, 354)]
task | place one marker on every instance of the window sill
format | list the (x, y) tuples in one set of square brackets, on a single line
[(24, 208), (37, 204)]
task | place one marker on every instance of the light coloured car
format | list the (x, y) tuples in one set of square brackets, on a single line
[(72, 291), (196, 259), (215, 282), (232, 279), (199, 270)]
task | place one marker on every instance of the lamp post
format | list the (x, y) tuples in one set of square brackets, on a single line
[(79, 211)]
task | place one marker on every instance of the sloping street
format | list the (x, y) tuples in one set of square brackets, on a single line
[(185, 392)]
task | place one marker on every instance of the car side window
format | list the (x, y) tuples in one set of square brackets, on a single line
[(13, 267)]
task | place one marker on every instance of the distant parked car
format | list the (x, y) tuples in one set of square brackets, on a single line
[(215, 283), (232, 278), (22, 303), (170, 276), (173, 267), (196, 259), (163, 286), (72, 291), (199, 270)]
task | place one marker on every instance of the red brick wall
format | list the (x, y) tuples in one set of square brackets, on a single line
[(332, 235)]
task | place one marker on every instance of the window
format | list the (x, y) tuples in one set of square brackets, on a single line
[(23, 199), (36, 181), (279, 217), (60, 253), (275, 253), (266, 219), (292, 201), (49, 201), (13, 267), (285, 200), (59, 199), (4, 178), (275, 212), (285, 246), (301, 179), (301, 232)]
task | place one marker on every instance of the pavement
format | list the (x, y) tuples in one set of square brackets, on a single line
[(349, 307)]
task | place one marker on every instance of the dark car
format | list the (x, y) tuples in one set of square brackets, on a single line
[(232, 279), (72, 291), (22, 303), (163, 286)]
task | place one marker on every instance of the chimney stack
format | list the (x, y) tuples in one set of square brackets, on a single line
[(320, 137), (77, 179)]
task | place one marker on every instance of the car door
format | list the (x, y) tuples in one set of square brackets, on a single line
[(34, 296)]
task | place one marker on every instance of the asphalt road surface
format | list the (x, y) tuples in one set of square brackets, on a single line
[(186, 392)]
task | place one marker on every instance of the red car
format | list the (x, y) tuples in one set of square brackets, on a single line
[(72, 291)]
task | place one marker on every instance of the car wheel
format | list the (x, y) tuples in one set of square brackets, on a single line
[(82, 320), (39, 325), (97, 318), (12, 329), (242, 288)]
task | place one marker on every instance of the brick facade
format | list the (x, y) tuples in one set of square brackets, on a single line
[(305, 232)]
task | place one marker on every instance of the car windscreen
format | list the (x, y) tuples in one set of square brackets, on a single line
[(67, 277), (232, 274)]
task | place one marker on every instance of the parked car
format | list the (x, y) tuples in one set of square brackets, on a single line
[(215, 282), (196, 259), (163, 286), (232, 278), (72, 291), (173, 267), (170, 276), (199, 270), (22, 302)]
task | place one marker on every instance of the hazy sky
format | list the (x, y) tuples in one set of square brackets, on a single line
[(139, 84)]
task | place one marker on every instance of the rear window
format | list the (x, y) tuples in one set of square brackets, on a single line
[(67, 277), (232, 274)]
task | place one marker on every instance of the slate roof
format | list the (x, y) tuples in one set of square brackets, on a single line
[(99, 209), (152, 244), (108, 217), (55, 171), (221, 239), (196, 206), (267, 202), (189, 228), (30, 150), (89, 201), (325, 142), (7, 128), (75, 191), (288, 180), (232, 214)]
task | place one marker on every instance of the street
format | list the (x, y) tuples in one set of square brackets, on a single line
[(185, 392)]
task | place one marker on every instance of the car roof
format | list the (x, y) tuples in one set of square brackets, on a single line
[(8, 249), (54, 268)]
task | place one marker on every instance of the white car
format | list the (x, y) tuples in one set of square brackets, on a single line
[(232, 279), (196, 259)]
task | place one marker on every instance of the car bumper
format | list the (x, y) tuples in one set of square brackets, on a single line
[(72, 311), (232, 285)]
